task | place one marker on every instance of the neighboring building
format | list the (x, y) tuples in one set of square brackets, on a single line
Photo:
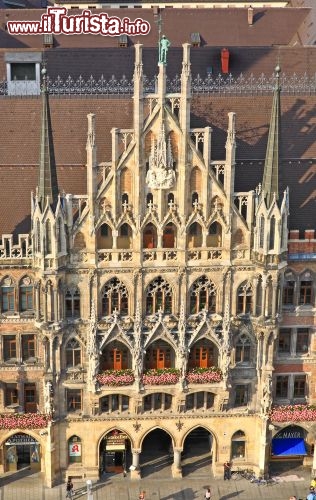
[(149, 291)]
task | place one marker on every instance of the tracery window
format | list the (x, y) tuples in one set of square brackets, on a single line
[(261, 232), (244, 298), (203, 296), (272, 233), (72, 303), (158, 296), (243, 349), (48, 237), (73, 353), (114, 297)]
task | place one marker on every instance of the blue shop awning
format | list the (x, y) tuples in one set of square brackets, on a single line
[(288, 446)]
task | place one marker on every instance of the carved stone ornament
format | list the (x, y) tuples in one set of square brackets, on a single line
[(160, 174)]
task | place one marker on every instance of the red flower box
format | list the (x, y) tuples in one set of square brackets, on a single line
[(116, 378), (24, 421)]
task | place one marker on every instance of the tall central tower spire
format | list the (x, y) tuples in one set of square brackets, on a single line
[(47, 181), (270, 184)]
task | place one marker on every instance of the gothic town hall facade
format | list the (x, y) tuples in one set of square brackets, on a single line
[(149, 306)]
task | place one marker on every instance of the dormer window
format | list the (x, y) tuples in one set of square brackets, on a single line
[(123, 41), (23, 73), (195, 39)]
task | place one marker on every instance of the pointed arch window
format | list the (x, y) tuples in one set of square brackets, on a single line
[(239, 445), (48, 237), (244, 299), (74, 450), (272, 233), (73, 353), (38, 236), (72, 303), (59, 235), (114, 298), (7, 296), (158, 296), (261, 232), (203, 296), (243, 349)]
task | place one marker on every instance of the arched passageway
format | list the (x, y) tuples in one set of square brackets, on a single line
[(157, 454), (197, 453), (289, 447), (22, 451), (114, 453)]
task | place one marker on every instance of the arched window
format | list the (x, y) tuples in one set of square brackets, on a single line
[(124, 239), (149, 199), (203, 296), (74, 450), (239, 445), (114, 297), (48, 237), (150, 236), (7, 295), (195, 199), (72, 303), (59, 235), (261, 232), (243, 349), (105, 240), (125, 199), (73, 353), (244, 298), (26, 295), (158, 296), (272, 233), (170, 199), (195, 235), (215, 235), (169, 236), (38, 236)]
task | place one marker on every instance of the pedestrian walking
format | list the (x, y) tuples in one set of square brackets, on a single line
[(141, 495), (208, 494), (227, 470), (311, 496), (69, 488)]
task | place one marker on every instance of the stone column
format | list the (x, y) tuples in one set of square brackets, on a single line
[(274, 298), (176, 466), (135, 470)]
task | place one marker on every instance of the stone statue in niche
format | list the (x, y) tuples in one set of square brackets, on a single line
[(160, 174)]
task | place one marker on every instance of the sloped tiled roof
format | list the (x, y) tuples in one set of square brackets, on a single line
[(69, 123)]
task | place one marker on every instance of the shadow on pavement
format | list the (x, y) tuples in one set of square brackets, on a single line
[(15, 476), (234, 494), (187, 493)]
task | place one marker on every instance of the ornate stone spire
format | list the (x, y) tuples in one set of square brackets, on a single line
[(160, 174), (270, 184), (47, 182)]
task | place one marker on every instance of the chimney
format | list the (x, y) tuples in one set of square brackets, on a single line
[(225, 60), (250, 16)]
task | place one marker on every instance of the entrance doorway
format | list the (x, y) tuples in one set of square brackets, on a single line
[(197, 453), (156, 456), (288, 449), (115, 453), (22, 451)]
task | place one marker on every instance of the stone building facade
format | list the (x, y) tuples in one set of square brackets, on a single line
[(152, 301)]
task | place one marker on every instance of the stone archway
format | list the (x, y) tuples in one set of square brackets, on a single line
[(156, 457), (21, 451), (197, 455), (288, 449), (114, 453)]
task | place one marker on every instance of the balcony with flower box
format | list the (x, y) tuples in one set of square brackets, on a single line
[(293, 413), (161, 376), (116, 378), (211, 375), (24, 421)]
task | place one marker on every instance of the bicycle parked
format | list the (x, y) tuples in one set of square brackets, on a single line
[(243, 473)]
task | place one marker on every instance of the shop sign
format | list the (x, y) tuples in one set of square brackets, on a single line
[(21, 439), (290, 434), (75, 449), (116, 439)]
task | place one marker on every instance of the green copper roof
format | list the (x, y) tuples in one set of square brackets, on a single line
[(270, 183)]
